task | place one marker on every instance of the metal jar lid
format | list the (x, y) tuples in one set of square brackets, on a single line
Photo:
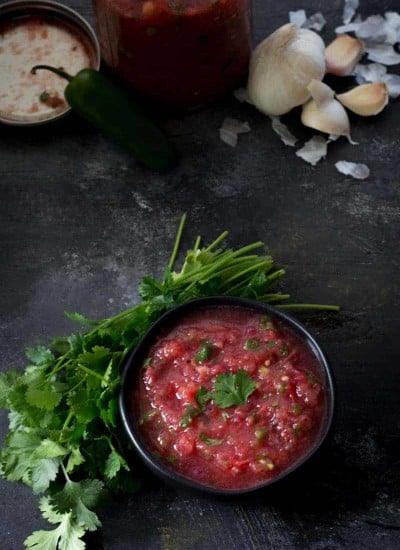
[(40, 32)]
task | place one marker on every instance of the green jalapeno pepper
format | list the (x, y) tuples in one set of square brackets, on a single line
[(117, 115)]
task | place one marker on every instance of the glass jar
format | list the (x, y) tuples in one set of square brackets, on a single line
[(180, 54)]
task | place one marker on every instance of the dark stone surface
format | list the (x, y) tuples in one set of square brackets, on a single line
[(81, 223)]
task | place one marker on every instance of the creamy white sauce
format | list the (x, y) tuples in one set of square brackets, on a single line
[(28, 42)]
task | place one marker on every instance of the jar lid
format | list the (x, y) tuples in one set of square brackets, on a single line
[(40, 32)]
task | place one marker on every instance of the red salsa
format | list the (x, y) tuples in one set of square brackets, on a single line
[(178, 53), (229, 398)]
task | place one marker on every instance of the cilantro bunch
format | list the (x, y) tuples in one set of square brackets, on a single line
[(65, 440)]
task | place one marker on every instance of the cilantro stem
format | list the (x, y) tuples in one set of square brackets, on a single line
[(68, 479), (212, 270), (275, 275), (91, 372), (321, 307), (106, 438), (215, 243), (274, 297), (111, 321), (81, 381), (238, 267), (60, 364), (67, 421), (255, 267), (197, 243), (177, 243)]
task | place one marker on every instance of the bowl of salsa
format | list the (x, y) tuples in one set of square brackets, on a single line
[(226, 395)]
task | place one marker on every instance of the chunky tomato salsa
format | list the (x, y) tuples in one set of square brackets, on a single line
[(229, 398), (178, 53)]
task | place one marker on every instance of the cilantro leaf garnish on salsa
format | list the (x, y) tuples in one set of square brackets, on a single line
[(209, 440), (64, 441), (204, 353), (229, 389), (232, 389)]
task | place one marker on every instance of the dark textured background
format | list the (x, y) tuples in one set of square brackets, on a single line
[(81, 223)]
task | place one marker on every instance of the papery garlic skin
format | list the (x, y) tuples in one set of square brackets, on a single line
[(324, 113), (282, 66), (367, 99)]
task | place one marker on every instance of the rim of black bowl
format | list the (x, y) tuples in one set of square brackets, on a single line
[(138, 355)]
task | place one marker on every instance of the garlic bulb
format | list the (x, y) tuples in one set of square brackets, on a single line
[(367, 99), (281, 68), (324, 113)]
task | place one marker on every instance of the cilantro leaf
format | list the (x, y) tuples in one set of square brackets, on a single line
[(252, 344), (76, 499), (229, 389), (209, 440), (39, 355), (114, 463), (49, 449), (188, 416), (60, 345), (81, 319), (76, 343), (109, 409), (16, 456), (83, 405), (7, 381), (44, 96), (48, 511), (43, 540), (204, 353), (75, 459), (232, 389), (43, 472), (85, 517), (203, 396), (266, 323), (88, 491), (256, 286), (96, 359), (45, 398), (67, 536), (149, 288)]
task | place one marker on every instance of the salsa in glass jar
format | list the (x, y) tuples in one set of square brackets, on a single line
[(179, 54)]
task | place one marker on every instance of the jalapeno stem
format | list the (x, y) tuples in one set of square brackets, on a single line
[(59, 72)]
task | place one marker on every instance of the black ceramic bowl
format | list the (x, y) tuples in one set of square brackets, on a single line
[(140, 353)]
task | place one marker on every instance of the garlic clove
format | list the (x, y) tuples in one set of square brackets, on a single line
[(367, 99), (282, 66), (330, 119), (323, 112), (320, 92), (343, 54)]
